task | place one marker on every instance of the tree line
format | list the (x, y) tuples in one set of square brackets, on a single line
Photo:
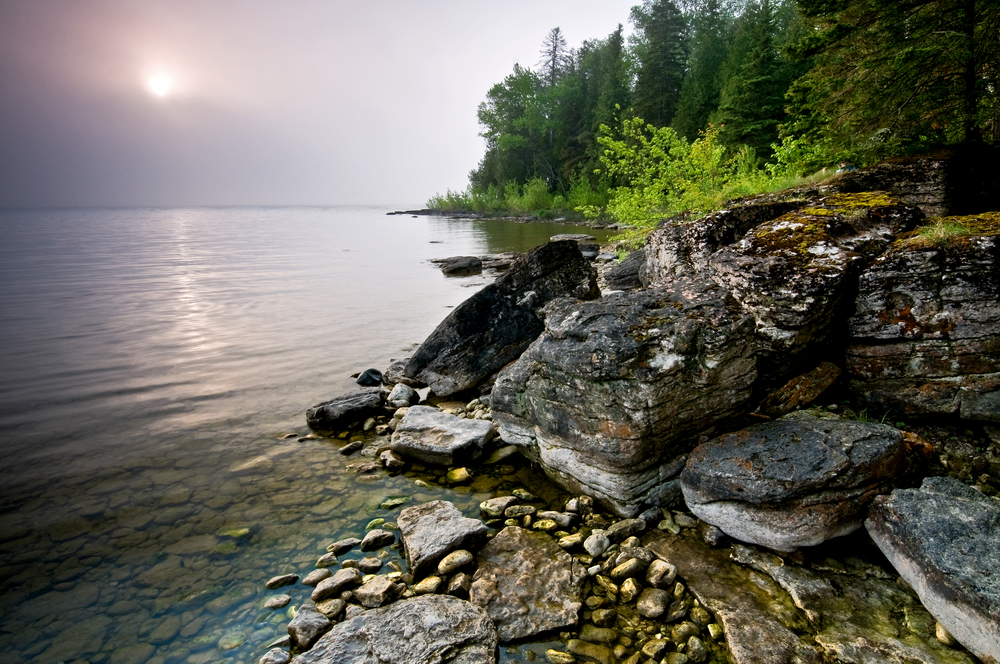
[(767, 87)]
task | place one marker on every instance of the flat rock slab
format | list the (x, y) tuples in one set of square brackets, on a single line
[(432, 436), (944, 539), (433, 530), (494, 326), (430, 629), (796, 481), (344, 411), (527, 584)]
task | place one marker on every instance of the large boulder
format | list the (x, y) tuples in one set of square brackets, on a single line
[(433, 530), (925, 337), (796, 481), (615, 392), (796, 274), (944, 539), (494, 326), (527, 584), (429, 629), (343, 411), (627, 274), (434, 436)]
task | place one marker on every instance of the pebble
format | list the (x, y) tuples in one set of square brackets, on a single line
[(458, 476), (656, 648), (370, 565), (597, 634), (661, 574), (524, 495), (517, 511), (653, 603), (331, 608), (546, 525), (351, 448), (495, 507), (629, 569), (598, 653), (943, 635), (597, 543), (429, 585), (281, 581), (571, 541), (275, 656), (327, 560), (454, 561), (696, 651), (279, 602), (315, 576), (376, 539), (341, 547), (630, 590), (700, 617), (715, 631), (559, 657)]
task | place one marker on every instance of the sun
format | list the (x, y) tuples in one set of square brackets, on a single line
[(160, 85)]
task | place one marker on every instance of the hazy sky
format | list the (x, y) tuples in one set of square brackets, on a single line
[(265, 102)]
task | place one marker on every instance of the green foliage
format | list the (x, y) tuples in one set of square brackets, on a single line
[(661, 51)]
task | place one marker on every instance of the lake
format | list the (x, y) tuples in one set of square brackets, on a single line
[(154, 366)]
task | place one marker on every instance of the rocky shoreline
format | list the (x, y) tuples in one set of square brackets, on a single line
[(777, 442)]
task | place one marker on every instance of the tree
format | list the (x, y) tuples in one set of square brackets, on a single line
[(660, 51), (556, 57), (700, 91)]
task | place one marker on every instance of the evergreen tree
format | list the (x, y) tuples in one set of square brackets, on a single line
[(660, 51), (556, 57), (702, 85)]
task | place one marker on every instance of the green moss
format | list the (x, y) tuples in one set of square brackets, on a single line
[(943, 230)]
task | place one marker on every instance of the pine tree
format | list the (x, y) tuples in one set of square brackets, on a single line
[(556, 57), (660, 51), (702, 85)]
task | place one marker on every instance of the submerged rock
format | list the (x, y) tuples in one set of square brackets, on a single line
[(527, 584), (494, 326), (429, 629), (944, 539), (614, 393), (433, 436), (796, 481)]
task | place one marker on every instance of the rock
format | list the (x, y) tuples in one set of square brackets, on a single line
[(696, 651), (629, 569), (653, 603), (495, 507), (625, 275), (277, 602), (800, 391), (461, 265), (377, 591), (571, 541), (370, 565), (574, 237), (454, 561), (590, 651), (610, 397), (565, 520), (343, 411), (393, 374), (661, 574), (351, 448), (625, 528), (430, 584), (343, 579), (470, 345), (459, 585), (458, 476), (340, 547), (369, 378), (275, 656), (432, 436), (944, 539), (431, 531), (331, 608), (796, 481), (527, 584), (429, 629), (377, 539), (630, 590), (597, 543), (327, 560), (518, 511), (281, 581), (559, 657), (796, 273), (925, 337), (401, 396), (307, 626), (656, 649), (391, 461)]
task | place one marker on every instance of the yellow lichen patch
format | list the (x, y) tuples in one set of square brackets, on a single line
[(942, 230), (866, 199)]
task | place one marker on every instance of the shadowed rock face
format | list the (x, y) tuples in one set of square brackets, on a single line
[(494, 326), (926, 332), (796, 481), (944, 539), (610, 398)]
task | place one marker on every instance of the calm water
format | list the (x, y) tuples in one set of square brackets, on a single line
[(151, 361)]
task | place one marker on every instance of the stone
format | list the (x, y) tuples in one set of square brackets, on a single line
[(656, 649), (431, 531), (615, 392), (696, 651), (629, 569), (470, 345), (275, 656), (307, 626), (277, 602), (401, 396), (327, 560), (461, 265), (377, 539), (430, 584), (331, 608), (527, 584), (315, 576), (800, 391), (432, 436), (495, 507), (627, 273), (925, 336), (661, 574), (421, 630), (653, 603), (343, 411), (459, 585), (797, 481), (340, 547), (518, 511), (620, 530), (391, 461), (571, 541), (393, 374), (596, 543), (590, 651), (630, 590), (454, 561), (280, 581), (342, 580), (377, 591), (944, 539), (458, 476), (564, 520), (559, 657), (369, 378), (370, 565), (796, 273)]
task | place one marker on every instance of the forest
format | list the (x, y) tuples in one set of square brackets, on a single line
[(702, 101)]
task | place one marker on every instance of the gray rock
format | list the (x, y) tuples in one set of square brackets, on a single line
[(661, 574), (377, 591), (277, 602), (925, 337), (596, 543), (566, 520), (433, 530), (281, 581), (430, 629), (341, 547), (393, 374), (391, 461), (331, 608), (307, 626), (433, 436), (275, 656), (454, 561), (377, 539), (327, 560), (370, 565), (369, 378), (459, 585), (620, 530), (527, 584), (401, 396), (944, 539), (461, 265), (495, 507), (343, 579), (653, 603), (796, 481), (612, 396), (575, 237), (343, 411), (471, 343), (625, 275)]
